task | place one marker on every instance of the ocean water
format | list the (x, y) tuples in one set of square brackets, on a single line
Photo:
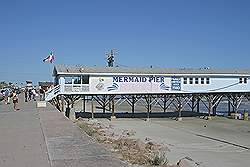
[(222, 108)]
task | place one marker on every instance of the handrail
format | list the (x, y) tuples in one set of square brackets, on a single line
[(67, 88), (51, 93)]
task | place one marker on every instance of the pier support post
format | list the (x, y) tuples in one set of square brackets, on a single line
[(113, 110), (193, 103), (83, 104), (103, 104), (164, 103), (214, 110), (62, 103), (229, 108), (92, 107), (133, 104), (148, 107), (209, 109), (198, 105)]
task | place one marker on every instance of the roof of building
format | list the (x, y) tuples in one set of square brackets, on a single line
[(78, 69), (45, 83)]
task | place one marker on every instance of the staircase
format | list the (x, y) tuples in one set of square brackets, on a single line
[(52, 93)]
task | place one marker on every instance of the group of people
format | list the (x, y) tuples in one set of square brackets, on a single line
[(10, 94), (30, 94)]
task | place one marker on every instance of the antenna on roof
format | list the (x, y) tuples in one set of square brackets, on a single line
[(110, 58)]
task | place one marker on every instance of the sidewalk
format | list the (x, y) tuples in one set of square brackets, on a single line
[(69, 147), (22, 142), (43, 137)]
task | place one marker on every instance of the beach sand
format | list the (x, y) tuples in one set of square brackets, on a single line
[(207, 143), (214, 143)]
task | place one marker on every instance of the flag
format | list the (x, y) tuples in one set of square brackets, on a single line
[(50, 58)]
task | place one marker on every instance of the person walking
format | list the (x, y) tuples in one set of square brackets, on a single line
[(7, 96), (30, 94), (41, 91), (34, 94), (15, 100), (26, 94)]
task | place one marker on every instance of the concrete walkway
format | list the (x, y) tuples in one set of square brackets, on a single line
[(43, 137)]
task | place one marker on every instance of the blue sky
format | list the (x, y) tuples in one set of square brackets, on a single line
[(161, 33)]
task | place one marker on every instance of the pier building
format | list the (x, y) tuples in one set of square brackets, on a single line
[(164, 87)]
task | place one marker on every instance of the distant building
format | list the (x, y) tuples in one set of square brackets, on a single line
[(45, 85), (29, 84)]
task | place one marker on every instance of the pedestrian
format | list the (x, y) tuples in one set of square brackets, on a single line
[(15, 100), (7, 96), (34, 94), (41, 94), (30, 94), (1, 95), (26, 94)]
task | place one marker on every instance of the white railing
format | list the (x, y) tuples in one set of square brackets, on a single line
[(65, 89), (51, 93), (73, 88)]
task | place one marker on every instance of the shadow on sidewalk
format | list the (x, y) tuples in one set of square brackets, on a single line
[(139, 115)]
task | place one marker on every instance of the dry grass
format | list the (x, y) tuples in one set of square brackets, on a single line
[(129, 149), (87, 128)]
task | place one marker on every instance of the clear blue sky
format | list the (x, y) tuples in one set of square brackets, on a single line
[(161, 33)]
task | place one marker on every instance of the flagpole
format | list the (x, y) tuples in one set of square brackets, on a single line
[(52, 65), (51, 70), (50, 59)]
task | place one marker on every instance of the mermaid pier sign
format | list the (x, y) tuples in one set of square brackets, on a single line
[(134, 84), (138, 79)]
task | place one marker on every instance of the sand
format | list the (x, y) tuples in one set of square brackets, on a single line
[(217, 142), (207, 143)]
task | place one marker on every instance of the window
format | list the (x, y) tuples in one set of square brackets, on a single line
[(207, 81), (202, 80), (77, 80), (85, 79), (245, 80), (241, 80), (190, 80), (196, 80), (68, 80), (185, 81)]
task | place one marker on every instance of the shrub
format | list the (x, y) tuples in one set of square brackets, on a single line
[(158, 158), (86, 128)]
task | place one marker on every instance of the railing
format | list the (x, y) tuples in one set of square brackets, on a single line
[(51, 93), (67, 89), (70, 88)]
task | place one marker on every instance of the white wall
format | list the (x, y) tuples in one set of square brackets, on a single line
[(162, 84), (122, 84)]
